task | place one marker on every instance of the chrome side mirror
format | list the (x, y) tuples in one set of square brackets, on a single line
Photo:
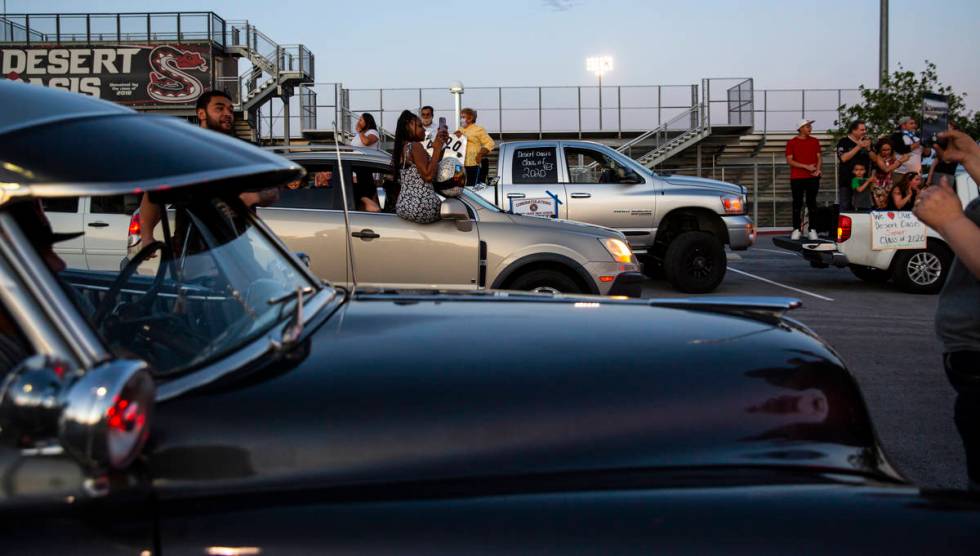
[(101, 417), (454, 209)]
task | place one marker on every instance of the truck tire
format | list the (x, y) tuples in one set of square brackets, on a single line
[(922, 270), (545, 280), (870, 274), (695, 262)]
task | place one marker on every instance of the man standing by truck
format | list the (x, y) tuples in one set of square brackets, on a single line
[(854, 148), (803, 157)]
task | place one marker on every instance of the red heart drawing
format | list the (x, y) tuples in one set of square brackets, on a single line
[(891, 216)]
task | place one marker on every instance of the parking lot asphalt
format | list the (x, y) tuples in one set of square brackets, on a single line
[(886, 338)]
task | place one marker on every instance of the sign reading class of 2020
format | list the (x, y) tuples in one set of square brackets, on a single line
[(897, 229), (159, 75)]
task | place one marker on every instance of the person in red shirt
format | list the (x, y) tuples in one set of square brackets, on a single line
[(803, 157)]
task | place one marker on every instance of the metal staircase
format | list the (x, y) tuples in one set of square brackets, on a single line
[(670, 138), (276, 70)]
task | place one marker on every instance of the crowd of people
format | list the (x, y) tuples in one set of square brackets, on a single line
[(884, 174)]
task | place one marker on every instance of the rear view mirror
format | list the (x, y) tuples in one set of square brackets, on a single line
[(101, 417), (454, 209)]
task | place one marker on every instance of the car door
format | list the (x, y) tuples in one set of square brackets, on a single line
[(390, 251), (603, 190), (309, 218), (65, 216), (107, 229), (532, 172)]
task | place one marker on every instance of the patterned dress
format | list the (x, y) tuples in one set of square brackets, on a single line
[(881, 192), (417, 201)]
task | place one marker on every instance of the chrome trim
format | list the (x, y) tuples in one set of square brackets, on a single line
[(774, 306), (248, 354), (86, 348)]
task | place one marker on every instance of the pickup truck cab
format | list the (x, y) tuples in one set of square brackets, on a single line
[(675, 223), (913, 270)]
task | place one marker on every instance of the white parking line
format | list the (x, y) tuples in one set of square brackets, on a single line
[(781, 252), (768, 281)]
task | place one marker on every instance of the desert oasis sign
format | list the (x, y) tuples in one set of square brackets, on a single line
[(139, 75)]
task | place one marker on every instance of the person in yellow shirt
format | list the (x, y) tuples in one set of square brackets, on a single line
[(478, 145)]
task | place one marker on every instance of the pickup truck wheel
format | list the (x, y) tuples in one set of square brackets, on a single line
[(545, 281), (695, 262), (870, 274), (922, 271)]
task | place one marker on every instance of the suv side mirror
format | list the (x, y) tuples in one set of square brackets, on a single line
[(101, 416), (454, 209)]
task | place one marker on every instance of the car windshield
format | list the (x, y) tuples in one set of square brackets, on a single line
[(477, 199), (215, 282)]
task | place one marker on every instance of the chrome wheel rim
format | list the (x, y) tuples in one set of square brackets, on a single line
[(924, 268)]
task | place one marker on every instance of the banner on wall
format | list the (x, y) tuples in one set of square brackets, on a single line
[(166, 75)]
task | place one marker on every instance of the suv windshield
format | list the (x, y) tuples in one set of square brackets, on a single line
[(213, 284)]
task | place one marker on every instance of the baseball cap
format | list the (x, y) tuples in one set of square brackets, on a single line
[(804, 122), (904, 120)]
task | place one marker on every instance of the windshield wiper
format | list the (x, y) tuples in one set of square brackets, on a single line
[(292, 332)]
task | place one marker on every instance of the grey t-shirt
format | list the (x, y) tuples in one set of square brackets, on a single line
[(958, 314)]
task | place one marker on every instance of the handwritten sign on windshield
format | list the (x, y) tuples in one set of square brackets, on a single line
[(534, 165), (897, 229)]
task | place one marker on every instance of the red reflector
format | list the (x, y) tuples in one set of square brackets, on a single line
[(843, 228), (606, 278)]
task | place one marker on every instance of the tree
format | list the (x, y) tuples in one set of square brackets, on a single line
[(901, 95)]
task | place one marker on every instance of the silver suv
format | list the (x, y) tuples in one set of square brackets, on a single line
[(676, 224), (475, 245)]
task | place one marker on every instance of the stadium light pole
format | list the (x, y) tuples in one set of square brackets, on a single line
[(883, 44), (456, 88), (599, 65)]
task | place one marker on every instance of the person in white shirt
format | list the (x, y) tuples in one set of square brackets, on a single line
[(427, 114), (906, 141), (366, 133)]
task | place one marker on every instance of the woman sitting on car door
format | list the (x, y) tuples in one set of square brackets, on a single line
[(417, 200)]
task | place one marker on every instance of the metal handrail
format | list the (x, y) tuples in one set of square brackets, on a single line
[(664, 127)]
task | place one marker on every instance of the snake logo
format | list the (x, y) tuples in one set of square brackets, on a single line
[(168, 83)]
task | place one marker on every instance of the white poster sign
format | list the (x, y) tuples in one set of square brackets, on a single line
[(897, 229), (539, 206), (456, 147)]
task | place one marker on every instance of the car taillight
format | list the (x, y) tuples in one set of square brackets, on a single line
[(134, 225), (843, 228)]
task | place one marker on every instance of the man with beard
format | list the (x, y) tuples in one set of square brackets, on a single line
[(215, 111)]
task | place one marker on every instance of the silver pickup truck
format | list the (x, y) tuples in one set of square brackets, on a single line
[(677, 225)]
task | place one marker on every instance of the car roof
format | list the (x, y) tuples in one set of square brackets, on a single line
[(326, 153), (55, 143)]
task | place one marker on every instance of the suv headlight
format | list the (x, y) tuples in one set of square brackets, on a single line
[(620, 251), (733, 204)]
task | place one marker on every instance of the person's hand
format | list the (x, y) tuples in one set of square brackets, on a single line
[(459, 133), (960, 146), (359, 127), (864, 143), (479, 158), (938, 206), (440, 141), (817, 173)]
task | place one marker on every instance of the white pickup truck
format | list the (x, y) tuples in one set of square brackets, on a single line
[(913, 270)]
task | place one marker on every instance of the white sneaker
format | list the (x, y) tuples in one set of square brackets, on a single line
[(795, 235), (812, 236)]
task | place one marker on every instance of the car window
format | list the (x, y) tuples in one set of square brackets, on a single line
[(594, 166), (115, 204), (366, 181), (61, 204), (319, 189), (534, 165), (206, 290)]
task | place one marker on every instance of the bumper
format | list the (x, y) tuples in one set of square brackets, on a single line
[(629, 284), (741, 231), (821, 253)]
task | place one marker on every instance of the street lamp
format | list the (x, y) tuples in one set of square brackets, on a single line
[(456, 88), (599, 65)]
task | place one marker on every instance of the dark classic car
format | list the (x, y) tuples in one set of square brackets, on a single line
[(233, 404)]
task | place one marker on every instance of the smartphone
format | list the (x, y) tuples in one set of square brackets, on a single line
[(442, 123), (935, 118)]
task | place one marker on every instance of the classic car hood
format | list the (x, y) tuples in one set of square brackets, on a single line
[(408, 388), (706, 183)]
